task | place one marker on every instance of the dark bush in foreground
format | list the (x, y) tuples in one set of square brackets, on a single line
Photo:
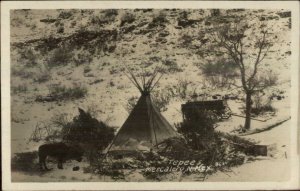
[(214, 149), (88, 131), (198, 128)]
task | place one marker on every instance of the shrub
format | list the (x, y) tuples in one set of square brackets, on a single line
[(222, 67), (171, 65), (60, 92), (65, 14), (83, 57), (61, 29), (73, 24), (22, 88), (111, 84), (198, 128), (17, 21), (215, 12), (110, 12), (154, 59), (127, 18), (220, 73), (57, 23), (42, 76), (21, 71), (28, 57), (101, 20), (263, 109), (219, 81), (113, 71), (180, 89), (46, 132), (160, 18), (86, 69), (60, 57), (17, 119), (108, 16), (186, 40), (261, 104)]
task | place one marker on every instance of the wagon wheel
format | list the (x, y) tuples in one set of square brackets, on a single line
[(226, 113), (218, 115), (226, 116)]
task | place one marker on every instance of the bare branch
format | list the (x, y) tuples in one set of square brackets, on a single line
[(261, 45), (157, 81)]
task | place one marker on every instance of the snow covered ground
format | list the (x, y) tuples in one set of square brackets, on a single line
[(276, 168)]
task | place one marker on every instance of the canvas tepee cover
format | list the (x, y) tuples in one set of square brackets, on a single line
[(145, 127)]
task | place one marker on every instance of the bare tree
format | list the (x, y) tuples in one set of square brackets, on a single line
[(247, 46)]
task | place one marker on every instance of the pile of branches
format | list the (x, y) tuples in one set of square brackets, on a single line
[(200, 142), (85, 130), (116, 165), (213, 150), (93, 134)]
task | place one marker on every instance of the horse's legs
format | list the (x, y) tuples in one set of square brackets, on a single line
[(46, 165), (60, 164), (41, 162)]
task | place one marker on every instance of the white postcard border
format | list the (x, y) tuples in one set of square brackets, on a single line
[(5, 96)]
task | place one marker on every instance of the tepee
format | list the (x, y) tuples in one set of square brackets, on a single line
[(145, 126)]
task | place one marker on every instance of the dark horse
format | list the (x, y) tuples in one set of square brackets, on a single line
[(60, 151)]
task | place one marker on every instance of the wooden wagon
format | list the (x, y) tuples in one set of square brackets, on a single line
[(218, 107)]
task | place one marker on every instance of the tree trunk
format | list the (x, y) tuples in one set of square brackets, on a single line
[(248, 111)]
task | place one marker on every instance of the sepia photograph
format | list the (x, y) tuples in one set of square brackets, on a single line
[(172, 94)]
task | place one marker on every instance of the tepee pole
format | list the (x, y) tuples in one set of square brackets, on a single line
[(156, 82), (149, 83), (111, 144), (151, 118)]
